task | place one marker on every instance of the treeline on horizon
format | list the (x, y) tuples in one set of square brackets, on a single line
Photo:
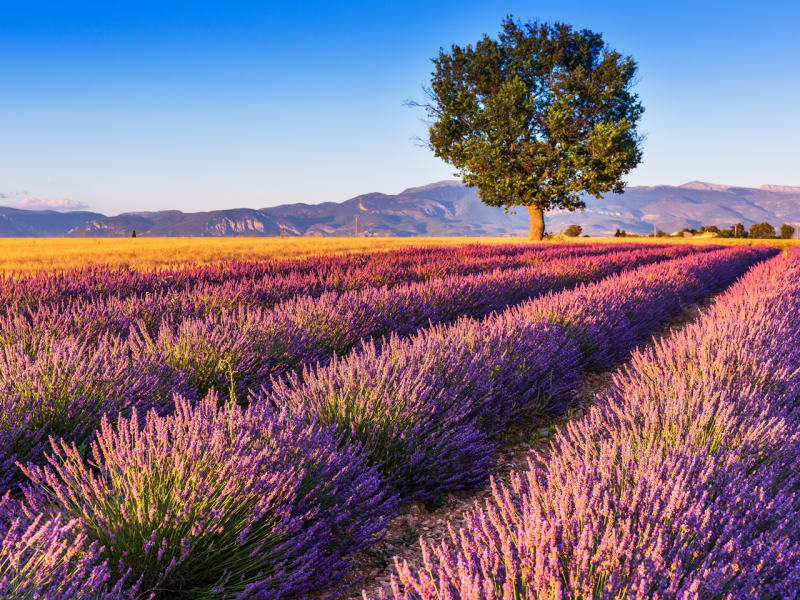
[(761, 231)]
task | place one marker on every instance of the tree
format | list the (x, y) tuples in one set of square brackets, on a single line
[(133, 235), (536, 117), (620, 233), (738, 230), (787, 231), (762, 231), (573, 231), (709, 229)]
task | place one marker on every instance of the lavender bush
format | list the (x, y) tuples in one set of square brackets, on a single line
[(422, 407), (217, 502), (233, 352)]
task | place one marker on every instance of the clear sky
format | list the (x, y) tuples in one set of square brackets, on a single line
[(124, 106)]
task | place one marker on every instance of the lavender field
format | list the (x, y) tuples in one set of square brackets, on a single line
[(249, 430)]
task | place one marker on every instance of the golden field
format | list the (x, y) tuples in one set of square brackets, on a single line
[(29, 255)]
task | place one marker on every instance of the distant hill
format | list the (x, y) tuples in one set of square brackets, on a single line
[(441, 209), (17, 222)]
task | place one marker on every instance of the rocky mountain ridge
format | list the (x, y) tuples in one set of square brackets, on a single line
[(440, 209)]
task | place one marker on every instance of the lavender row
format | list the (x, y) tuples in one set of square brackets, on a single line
[(681, 483), (270, 282), (257, 504)]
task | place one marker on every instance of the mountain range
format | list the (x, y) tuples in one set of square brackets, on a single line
[(445, 208)]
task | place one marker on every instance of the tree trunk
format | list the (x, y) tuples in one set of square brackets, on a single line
[(537, 223)]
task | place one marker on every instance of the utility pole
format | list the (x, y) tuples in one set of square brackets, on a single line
[(356, 225), (654, 230)]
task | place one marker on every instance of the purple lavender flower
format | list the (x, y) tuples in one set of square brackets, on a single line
[(48, 557)]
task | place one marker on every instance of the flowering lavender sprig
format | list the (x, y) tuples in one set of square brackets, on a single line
[(43, 556)]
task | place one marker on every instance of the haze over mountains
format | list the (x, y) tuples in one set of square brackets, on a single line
[(441, 209)]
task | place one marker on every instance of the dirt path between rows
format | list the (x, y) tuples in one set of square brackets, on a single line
[(373, 569)]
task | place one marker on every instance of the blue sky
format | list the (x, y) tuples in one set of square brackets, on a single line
[(203, 105)]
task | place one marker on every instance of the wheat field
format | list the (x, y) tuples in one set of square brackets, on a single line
[(30, 255)]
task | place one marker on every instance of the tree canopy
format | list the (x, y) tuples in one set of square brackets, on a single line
[(536, 116), (762, 231)]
